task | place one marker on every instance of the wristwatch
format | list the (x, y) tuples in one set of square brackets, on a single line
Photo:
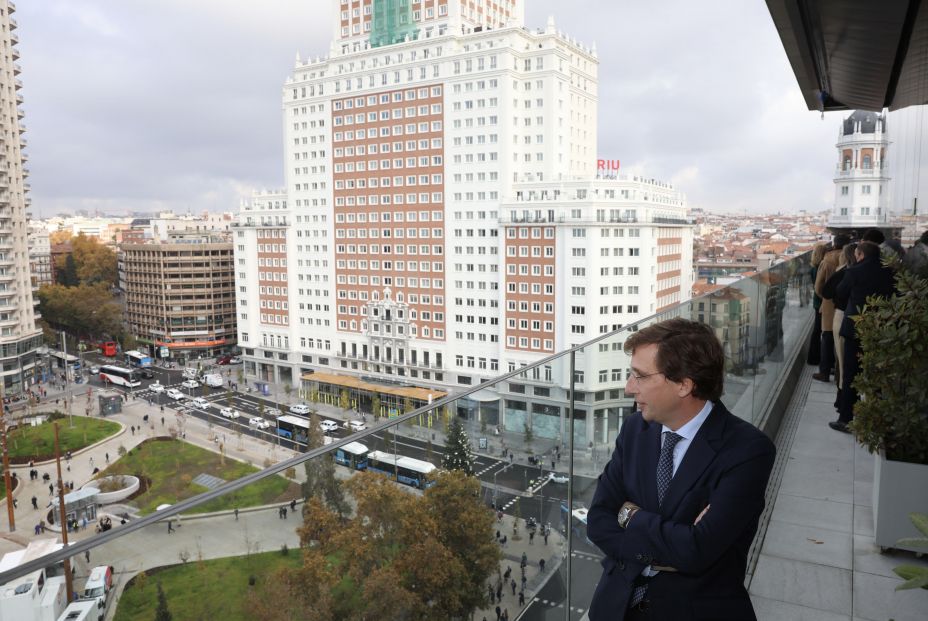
[(626, 513)]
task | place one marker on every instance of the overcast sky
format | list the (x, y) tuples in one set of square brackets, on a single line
[(139, 105)]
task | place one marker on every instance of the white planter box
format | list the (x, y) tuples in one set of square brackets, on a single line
[(898, 490)]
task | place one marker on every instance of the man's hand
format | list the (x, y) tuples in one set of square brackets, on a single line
[(701, 514)]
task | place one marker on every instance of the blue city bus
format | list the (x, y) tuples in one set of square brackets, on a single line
[(414, 472), (138, 359), (294, 428), (352, 455)]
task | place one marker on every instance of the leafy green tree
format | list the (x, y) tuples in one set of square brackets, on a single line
[(85, 310), (375, 406), (343, 400), (458, 452), (161, 612), (321, 481), (67, 271), (94, 262)]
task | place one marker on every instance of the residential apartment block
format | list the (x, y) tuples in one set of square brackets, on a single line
[(19, 337), (445, 216)]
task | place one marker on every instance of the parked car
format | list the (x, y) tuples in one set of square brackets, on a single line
[(357, 425), (258, 422), (190, 384), (235, 360), (175, 394), (299, 408), (201, 403), (327, 425), (229, 413), (223, 359), (156, 387)]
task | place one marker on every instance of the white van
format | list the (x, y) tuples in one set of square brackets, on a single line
[(98, 585), (213, 380), (82, 610)]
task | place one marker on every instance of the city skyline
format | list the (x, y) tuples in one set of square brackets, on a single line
[(168, 113)]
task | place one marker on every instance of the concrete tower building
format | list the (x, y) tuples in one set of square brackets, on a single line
[(19, 337), (862, 181), (446, 217)]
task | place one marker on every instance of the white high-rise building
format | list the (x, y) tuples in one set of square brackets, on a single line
[(19, 337), (862, 181), (446, 217)]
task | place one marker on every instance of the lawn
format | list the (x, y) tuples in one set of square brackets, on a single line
[(215, 589), (171, 465), (38, 443)]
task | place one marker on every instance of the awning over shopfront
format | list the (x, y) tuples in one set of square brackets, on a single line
[(348, 381)]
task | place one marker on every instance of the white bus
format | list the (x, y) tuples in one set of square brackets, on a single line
[(404, 469), (120, 376)]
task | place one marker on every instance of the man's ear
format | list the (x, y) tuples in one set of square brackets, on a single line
[(686, 387)]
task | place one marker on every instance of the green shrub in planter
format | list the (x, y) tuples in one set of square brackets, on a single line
[(915, 576), (892, 415)]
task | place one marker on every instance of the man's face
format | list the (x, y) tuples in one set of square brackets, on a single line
[(658, 398)]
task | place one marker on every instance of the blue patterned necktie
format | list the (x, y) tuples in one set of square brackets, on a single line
[(664, 476)]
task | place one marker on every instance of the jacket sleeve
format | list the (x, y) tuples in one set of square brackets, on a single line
[(602, 518), (825, 269), (735, 503), (831, 285)]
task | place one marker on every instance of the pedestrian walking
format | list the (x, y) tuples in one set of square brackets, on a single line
[(91, 461), (524, 580), (284, 509), (524, 560), (293, 505), (499, 592), (499, 613), (87, 555), (236, 514), (541, 565), (512, 583), (132, 429), (170, 526), (107, 457), (531, 537), (545, 533), (35, 503), (508, 572), (521, 598), (505, 614), (162, 421), (15, 503), (51, 489)]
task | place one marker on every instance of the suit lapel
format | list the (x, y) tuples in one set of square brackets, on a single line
[(699, 455), (650, 441)]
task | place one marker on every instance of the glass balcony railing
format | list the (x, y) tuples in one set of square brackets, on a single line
[(362, 546)]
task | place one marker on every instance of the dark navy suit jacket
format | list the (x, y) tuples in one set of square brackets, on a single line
[(726, 466)]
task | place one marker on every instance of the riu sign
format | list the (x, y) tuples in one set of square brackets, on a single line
[(607, 165)]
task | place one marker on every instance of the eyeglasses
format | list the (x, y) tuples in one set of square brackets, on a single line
[(638, 378)]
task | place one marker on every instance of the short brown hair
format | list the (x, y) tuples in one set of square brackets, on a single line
[(685, 349)]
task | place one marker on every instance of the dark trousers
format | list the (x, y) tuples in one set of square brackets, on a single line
[(847, 395), (826, 363), (815, 346)]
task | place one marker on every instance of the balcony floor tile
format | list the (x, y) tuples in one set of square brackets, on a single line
[(806, 584)]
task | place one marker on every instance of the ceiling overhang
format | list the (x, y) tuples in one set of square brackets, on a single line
[(856, 54)]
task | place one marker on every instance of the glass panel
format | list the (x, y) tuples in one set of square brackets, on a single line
[(536, 457)]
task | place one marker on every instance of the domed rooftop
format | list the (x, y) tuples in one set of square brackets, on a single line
[(867, 120)]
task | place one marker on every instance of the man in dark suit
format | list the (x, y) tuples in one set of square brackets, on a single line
[(868, 277), (676, 508)]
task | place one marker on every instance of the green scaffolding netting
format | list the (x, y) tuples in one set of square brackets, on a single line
[(392, 22)]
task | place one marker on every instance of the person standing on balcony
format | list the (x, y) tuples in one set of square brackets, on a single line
[(815, 348), (829, 292), (869, 277), (826, 269), (676, 508)]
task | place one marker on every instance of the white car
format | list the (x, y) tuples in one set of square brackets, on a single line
[(259, 422), (156, 387), (229, 413), (272, 412), (95, 370), (328, 425), (299, 408), (201, 403), (190, 384), (557, 477), (357, 425), (175, 394)]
